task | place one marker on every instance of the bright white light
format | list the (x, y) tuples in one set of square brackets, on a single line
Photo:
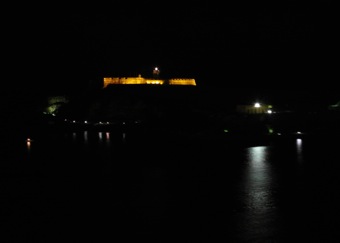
[(269, 111), (299, 142), (257, 105)]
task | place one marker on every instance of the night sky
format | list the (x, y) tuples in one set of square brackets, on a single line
[(285, 45)]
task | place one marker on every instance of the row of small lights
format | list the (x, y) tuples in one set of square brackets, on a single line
[(99, 123)]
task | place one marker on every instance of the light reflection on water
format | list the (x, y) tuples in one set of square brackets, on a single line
[(28, 143), (100, 136), (299, 147), (258, 192), (267, 173), (87, 137), (124, 137)]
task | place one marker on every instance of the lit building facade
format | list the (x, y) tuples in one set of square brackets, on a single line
[(141, 80), (153, 81)]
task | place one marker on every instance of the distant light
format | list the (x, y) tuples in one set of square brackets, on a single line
[(269, 111), (257, 105), (156, 71), (225, 130), (28, 143)]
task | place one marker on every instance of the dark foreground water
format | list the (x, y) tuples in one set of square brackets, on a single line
[(99, 187)]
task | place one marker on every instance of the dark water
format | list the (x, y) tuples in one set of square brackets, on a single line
[(101, 187)]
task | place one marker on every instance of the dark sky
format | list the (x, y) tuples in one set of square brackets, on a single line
[(284, 45)]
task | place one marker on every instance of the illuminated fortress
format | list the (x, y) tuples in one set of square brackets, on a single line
[(155, 80)]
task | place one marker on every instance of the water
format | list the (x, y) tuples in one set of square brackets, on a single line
[(102, 187)]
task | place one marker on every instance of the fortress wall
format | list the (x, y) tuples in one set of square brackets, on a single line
[(155, 81), (132, 80), (109, 80), (182, 81), (140, 80)]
